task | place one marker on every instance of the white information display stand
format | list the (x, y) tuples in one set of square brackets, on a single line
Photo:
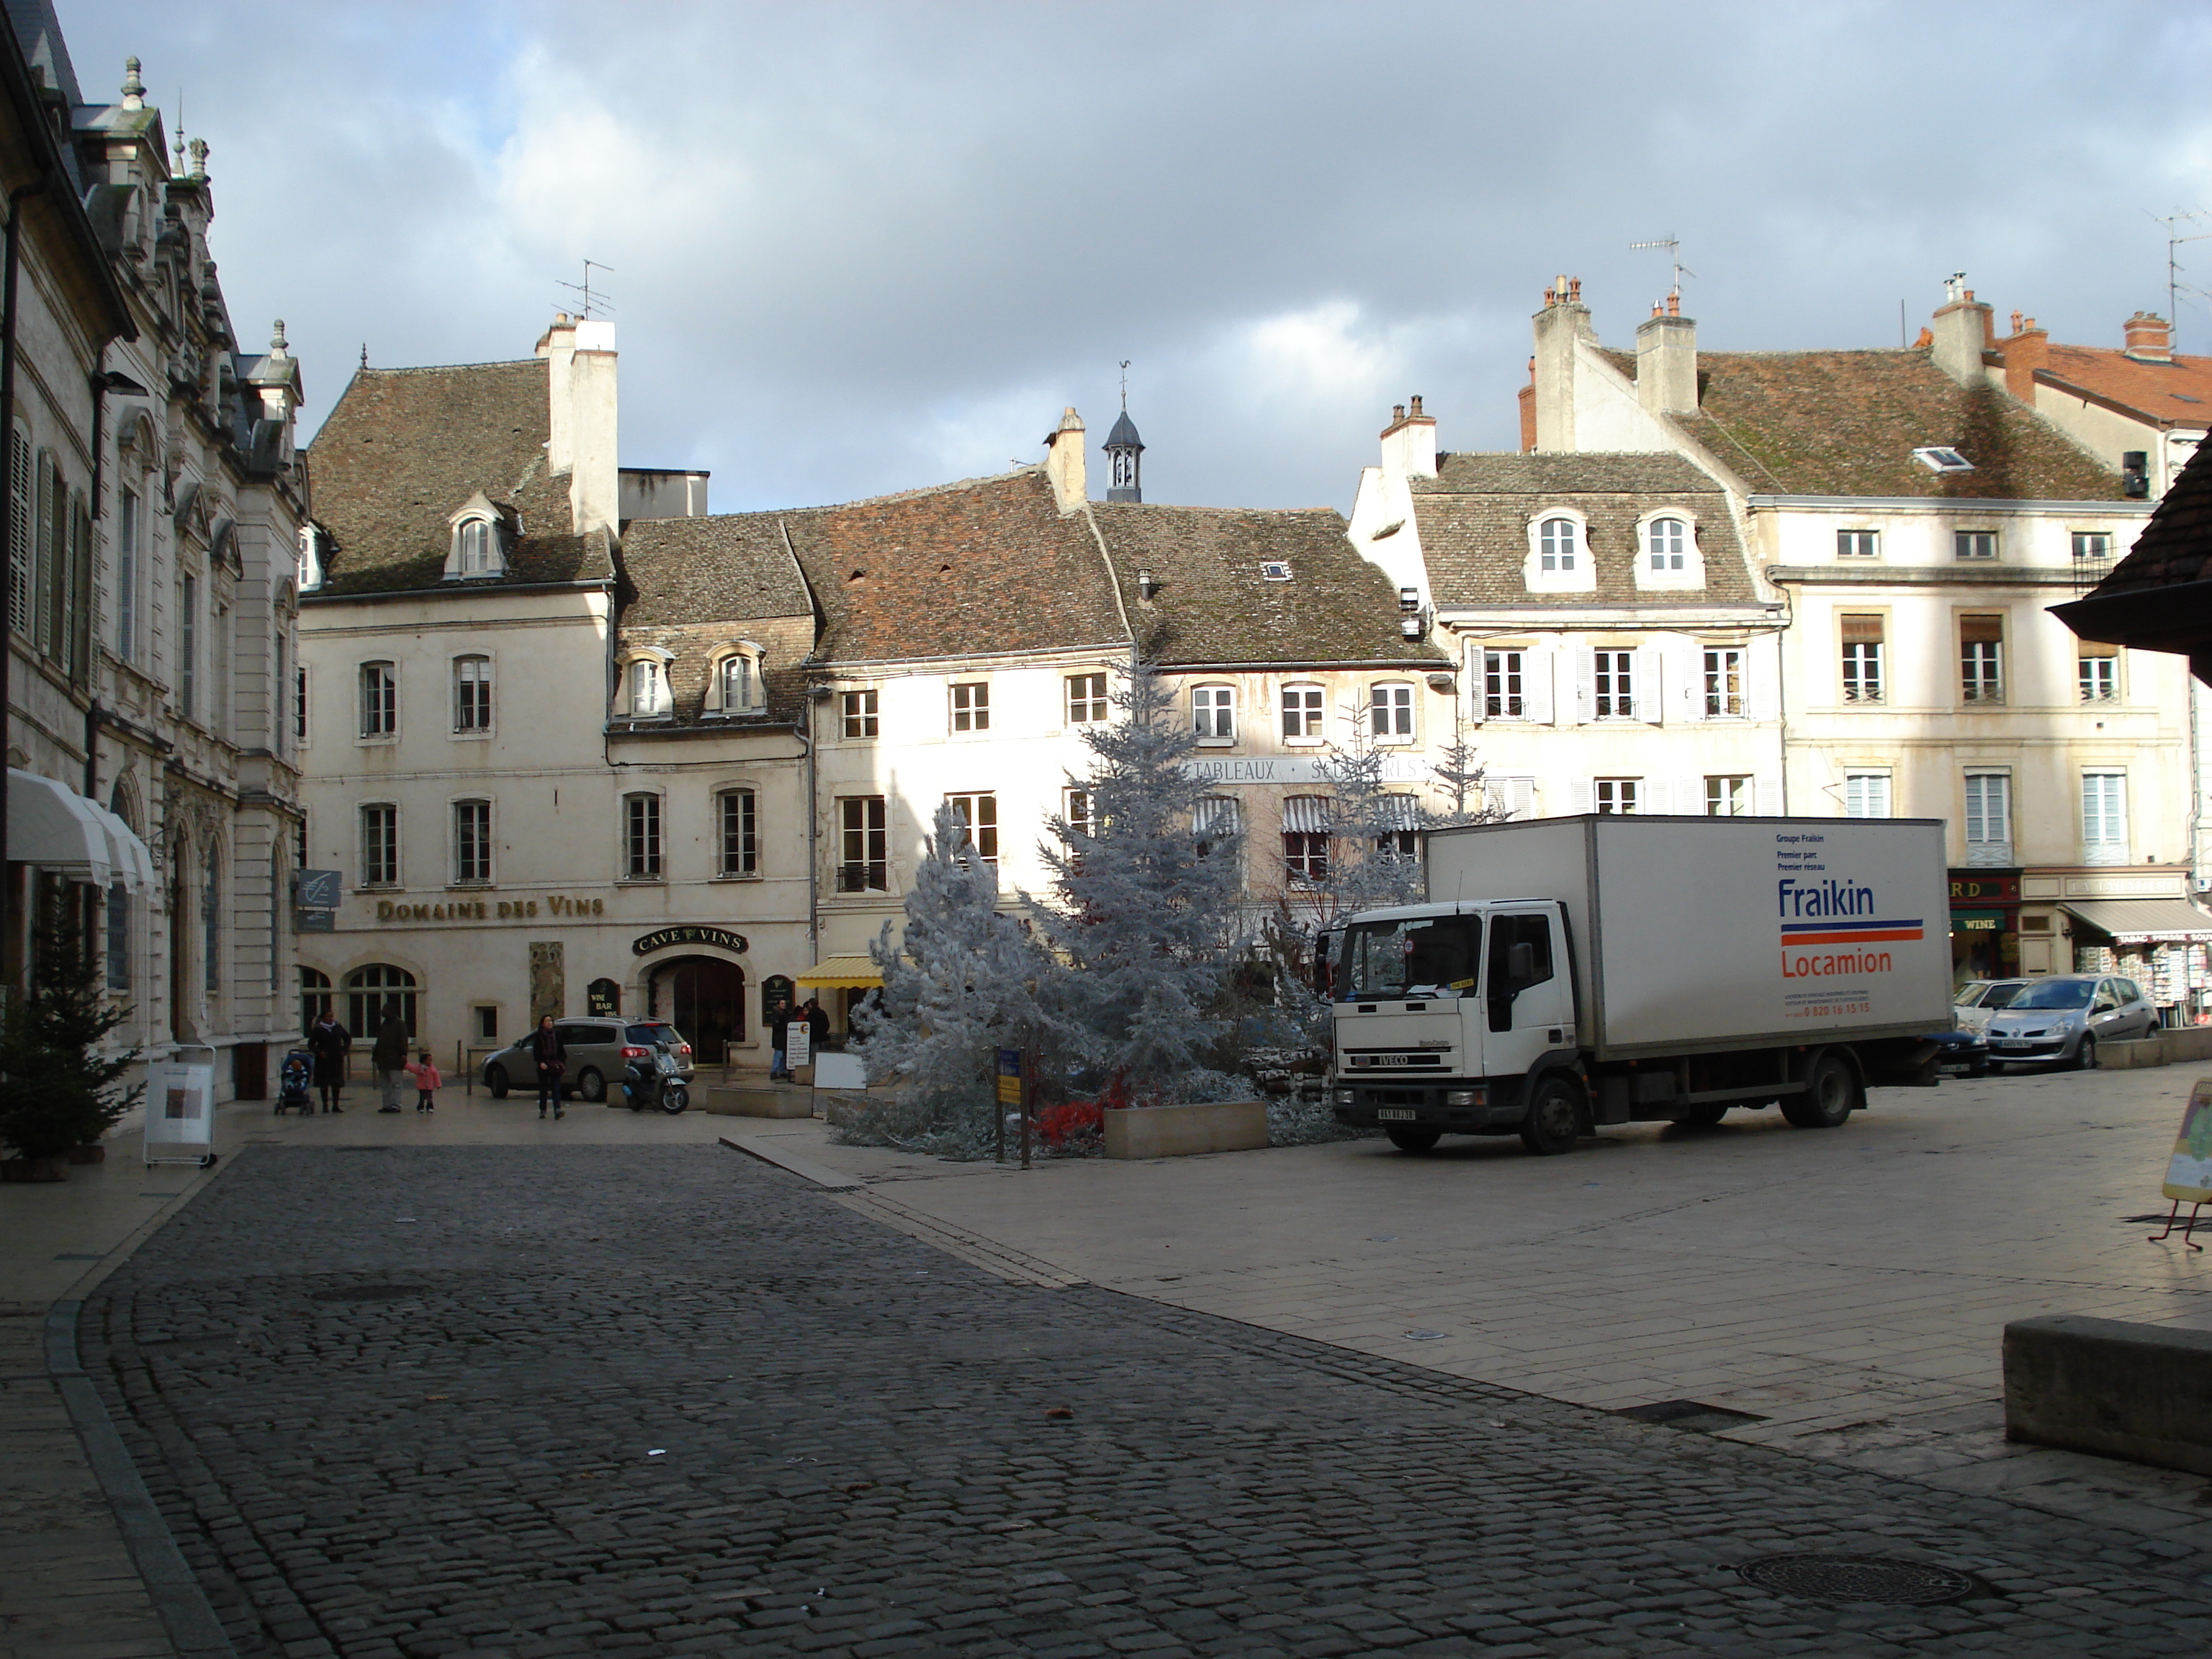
[(798, 1043), (180, 1108)]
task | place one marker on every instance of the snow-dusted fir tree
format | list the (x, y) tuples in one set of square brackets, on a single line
[(962, 984), (1143, 914)]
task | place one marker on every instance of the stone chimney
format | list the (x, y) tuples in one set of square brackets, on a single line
[(1064, 462), (1963, 329), (2026, 348), (1667, 361), (1529, 411), (558, 347), (2150, 337), (1563, 321), (1409, 442), (594, 477)]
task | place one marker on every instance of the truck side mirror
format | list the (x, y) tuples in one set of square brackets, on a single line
[(1520, 963)]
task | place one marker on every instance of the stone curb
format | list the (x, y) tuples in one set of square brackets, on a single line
[(193, 1629), (830, 1180)]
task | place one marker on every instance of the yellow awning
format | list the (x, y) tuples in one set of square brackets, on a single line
[(843, 972)]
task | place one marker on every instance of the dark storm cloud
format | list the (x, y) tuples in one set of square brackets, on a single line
[(860, 248)]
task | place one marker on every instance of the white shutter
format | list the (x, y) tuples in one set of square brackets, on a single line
[(1653, 796), (1578, 796), (1585, 688), (1523, 797), (1690, 797), (1651, 686), (1767, 793), (1537, 668), (1762, 669)]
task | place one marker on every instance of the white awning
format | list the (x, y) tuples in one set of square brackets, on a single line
[(1306, 815), (2144, 920), (51, 825), (133, 860)]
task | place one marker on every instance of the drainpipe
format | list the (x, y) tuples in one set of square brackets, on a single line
[(10, 258), (805, 734)]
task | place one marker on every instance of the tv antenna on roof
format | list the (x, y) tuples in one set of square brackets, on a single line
[(594, 304), (1673, 244), (2174, 285)]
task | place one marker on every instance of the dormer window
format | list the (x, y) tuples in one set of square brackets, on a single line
[(646, 688), (1556, 541), (479, 545), (1942, 459), (475, 548), (1668, 556), (1559, 559), (733, 686)]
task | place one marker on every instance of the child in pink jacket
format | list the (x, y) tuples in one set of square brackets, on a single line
[(426, 1083)]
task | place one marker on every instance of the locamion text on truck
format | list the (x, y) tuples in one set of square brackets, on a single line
[(1567, 974)]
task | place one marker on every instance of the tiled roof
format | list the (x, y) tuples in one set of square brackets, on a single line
[(966, 570), (1473, 520), (1846, 423), (2177, 393), (1214, 604), (404, 447), (732, 567), (2176, 545)]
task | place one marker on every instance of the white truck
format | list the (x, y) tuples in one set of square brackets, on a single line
[(1572, 973)]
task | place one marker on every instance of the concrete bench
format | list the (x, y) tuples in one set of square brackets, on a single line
[(2139, 1392)]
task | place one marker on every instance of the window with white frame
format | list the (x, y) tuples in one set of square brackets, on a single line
[(1724, 682), (862, 715), (737, 834), (1862, 643), (379, 700), (472, 695), (1391, 712), (1305, 838), (648, 688), (472, 842), (2092, 546), (1213, 712), (1727, 797), (379, 845), (2097, 670), (1981, 659), (1866, 795), (1613, 685), (1989, 817), (1615, 797), (1504, 679), (1858, 544), (2104, 817), (979, 823), (863, 845), (1302, 719), (734, 683), (1558, 543), (300, 705), (1087, 699), (1974, 544), (641, 859), (971, 706), (1666, 545), (1078, 812), (477, 548)]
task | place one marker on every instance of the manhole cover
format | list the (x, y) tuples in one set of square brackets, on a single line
[(368, 1293), (1857, 1578)]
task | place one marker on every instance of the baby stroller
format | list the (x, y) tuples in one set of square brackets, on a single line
[(294, 1084)]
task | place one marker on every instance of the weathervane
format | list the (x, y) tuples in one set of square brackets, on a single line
[(1125, 386)]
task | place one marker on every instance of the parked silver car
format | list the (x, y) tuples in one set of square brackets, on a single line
[(1972, 1003), (599, 1050), (2061, 1019)]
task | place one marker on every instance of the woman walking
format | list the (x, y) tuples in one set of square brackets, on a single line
[(552, 1057), (331, 1042)]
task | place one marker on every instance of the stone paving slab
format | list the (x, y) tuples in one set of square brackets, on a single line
[(549, 1400)]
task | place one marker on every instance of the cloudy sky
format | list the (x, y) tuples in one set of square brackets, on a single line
[(858, 248)]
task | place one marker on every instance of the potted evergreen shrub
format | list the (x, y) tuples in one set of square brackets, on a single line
[(60, 1088)]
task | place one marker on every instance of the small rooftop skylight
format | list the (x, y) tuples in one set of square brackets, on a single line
[(1274, 570), (1938, 458)]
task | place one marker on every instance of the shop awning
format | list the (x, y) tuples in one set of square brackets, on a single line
[(843, 972), (2144, 920), (51, 825), (131, 858)]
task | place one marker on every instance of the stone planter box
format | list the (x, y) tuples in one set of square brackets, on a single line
[(2130, 1056), (34, 1168), (2186, 1043), (1218, 1126), (92, 1152), (2116, 1390), (759, 1100)]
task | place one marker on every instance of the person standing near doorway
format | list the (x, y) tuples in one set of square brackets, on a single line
[(817, 1022), (551, 1056), (330, 1043), (389, 1057), (779, 1031)]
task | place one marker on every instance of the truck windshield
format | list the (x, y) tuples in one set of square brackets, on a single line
[(1423, 957)]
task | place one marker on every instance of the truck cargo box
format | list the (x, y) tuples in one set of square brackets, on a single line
[(1693, 934)]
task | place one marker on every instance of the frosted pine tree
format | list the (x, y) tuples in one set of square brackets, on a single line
[(961, 985), (1144, 911)]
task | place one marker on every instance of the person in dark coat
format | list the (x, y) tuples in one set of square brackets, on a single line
[(817, 1022), (331, 1042), (779, 1028), (551, 1056), (389, 1057)]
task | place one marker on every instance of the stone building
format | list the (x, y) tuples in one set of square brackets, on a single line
[(153, 554)]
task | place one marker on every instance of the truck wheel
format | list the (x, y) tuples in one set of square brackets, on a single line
[(1409, 1138), (1832, 1095), (1555, 1118), (1704, 1116)]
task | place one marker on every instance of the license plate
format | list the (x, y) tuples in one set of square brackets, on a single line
[(1395, 1114), (2016, 1045)]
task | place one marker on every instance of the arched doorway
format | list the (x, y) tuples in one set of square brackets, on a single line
[(704, 998)]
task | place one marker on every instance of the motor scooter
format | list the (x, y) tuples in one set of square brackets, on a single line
[(652, 1081)]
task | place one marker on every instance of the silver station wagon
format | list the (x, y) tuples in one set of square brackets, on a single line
[(2059, 1021), (600, 1051)]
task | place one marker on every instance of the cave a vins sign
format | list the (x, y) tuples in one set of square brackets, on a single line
[(663, 938)]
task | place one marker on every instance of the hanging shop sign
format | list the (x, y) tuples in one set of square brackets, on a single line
[(667, 938)]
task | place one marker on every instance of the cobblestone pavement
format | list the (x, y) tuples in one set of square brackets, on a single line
[(417, 1401)]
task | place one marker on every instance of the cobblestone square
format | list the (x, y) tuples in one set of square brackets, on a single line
[(420, 1401)]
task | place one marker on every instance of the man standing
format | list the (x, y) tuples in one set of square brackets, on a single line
[(778, 1028), (390, 1057), (817, 1022)]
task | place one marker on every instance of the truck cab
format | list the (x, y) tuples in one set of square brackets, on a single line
[(1442, 1013)]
